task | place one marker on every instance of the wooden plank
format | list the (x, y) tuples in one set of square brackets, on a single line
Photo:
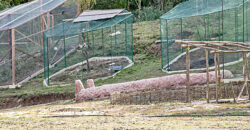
[(28, 38), (17, 43), (207, 69), (13, 56), (219, 76), (188, 75)]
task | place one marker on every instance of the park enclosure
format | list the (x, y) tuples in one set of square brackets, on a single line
[(21, 37), (96, 44), (204, 20)]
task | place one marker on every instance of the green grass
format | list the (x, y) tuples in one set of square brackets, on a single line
[(146, 66), (145, 33)]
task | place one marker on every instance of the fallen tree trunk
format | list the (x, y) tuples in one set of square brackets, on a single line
[(171, 81)]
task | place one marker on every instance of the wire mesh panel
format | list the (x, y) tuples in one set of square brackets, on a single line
[(5, 59), (204, 20), (28, 22), (88, 50)]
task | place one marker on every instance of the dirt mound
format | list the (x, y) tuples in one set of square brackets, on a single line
[(21, 101)]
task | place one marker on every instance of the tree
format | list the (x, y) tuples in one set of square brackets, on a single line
[(4, 4)]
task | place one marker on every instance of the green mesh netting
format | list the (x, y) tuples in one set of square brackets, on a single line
[(106, 44), (204, 20)]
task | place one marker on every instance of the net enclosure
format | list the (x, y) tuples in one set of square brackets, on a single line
[(94, 45), (204, 20), (21, 37)]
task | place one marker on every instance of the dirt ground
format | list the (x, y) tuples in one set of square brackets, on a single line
[(98, 69), (102, 115)]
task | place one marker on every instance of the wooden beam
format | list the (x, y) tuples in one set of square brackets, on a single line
[(30, 55), (222, 51), (201, 46), (17, 43), (13, 56), (207, 45), (205, 42), (28, 38), (188, 99), (207, 68)]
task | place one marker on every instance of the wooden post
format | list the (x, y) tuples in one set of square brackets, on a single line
[(248, 77), (48, 20), (244, 75), (216, 75), (231, 84), (219, 75), (207, 68), (41, 24), (245, 69), (13, 57), (248, 84), (52, 25), (42, 29), (77, 14), (188, 75)]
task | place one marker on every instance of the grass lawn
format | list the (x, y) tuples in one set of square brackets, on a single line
[(144, 65)]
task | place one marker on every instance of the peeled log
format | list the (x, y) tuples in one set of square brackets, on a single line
[(154, 83), (90, 83), (78, 86)]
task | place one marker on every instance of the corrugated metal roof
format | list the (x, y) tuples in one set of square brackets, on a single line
[(91, 15)]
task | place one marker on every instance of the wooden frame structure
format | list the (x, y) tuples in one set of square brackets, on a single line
[(216, 48)]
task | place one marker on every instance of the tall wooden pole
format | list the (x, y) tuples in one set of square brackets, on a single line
[(219, 74), (77, 14), (41, 25), (13, 45), (188, 75), (216, 75), (207, 68)]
